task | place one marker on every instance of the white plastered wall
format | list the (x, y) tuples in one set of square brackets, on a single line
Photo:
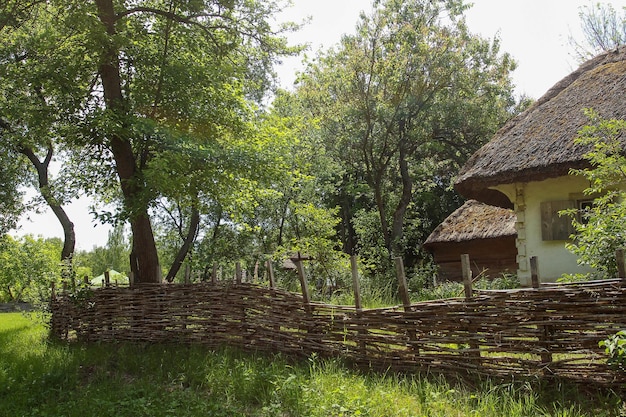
[(553, 259)]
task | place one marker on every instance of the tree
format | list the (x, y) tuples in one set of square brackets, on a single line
[(163, 77), (603, 28), (601, 229), (404, 101), (28, 267), (10, 196), (39, 103)]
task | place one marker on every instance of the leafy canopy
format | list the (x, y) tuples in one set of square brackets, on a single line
[(601, 230)]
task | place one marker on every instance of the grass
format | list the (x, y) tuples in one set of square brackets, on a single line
[(43, 378)]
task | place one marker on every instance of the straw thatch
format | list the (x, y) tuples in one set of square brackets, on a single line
[(538, 144), (473, 221)]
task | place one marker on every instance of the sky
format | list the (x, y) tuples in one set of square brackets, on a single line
[(534, 32)]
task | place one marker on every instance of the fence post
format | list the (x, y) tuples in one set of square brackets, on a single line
[(534, 271), (187, 274), (403, 291), (255, 277), (270, 273), (214, 274), (107, 278), (357, 302), (466, 269), (303, 282), (621, 269), (402, 286), (546, 334), (355, 283), (238, 272), (467, 275)]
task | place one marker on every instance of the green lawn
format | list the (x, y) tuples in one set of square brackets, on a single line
[(42, 378)]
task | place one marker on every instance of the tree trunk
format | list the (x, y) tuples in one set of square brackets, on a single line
[(69, 241), (382, 213), (397, 228), (146, 267), (184, 249)]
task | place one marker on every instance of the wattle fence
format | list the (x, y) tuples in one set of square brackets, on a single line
[(551, 331)]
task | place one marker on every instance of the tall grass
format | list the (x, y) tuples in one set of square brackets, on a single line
[(43, 378)]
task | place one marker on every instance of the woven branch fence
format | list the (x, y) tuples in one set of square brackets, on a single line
[(547, 331)]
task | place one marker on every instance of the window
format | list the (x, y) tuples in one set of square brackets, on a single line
[(584, 207)]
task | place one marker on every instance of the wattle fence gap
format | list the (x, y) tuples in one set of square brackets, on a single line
[(549, 331)]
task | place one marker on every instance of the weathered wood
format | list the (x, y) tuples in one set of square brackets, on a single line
[(107, 278), (403, 290), (355, 282), (545, 337), (467, 275), (474, 348), (621, 268), (255, 277), (303, 282), (515, 329), (362, 333), (238, 273), (270, 273), (214, 274), (534, 272)]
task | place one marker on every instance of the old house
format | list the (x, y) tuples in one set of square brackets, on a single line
[(487, 233), (526, 166)]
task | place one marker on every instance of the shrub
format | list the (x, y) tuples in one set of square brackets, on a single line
[(615, 347)]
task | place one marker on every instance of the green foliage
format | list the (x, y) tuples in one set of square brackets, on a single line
[(601, 230), (159, 103), (10, 197), (603, 29), (615, 348), (450, 289), (28, 267), (399, 105), (102, 258), (43, 378)]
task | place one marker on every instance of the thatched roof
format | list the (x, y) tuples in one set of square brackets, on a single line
[(474, 220), (538, 144)]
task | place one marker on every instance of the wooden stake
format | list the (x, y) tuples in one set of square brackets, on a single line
[(270, 273), (534, 271), (107, 278), (303, 282), (467, 275), (238, 273), (621, 269), (214, 274), (402, 286), (255, 277), (355, 283)]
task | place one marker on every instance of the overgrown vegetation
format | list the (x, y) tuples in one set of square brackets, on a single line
[(28, 268), (601, 229), (42, 378), (615, 348)]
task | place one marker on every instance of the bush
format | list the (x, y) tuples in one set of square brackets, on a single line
[(615, 347), (601, 229)]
